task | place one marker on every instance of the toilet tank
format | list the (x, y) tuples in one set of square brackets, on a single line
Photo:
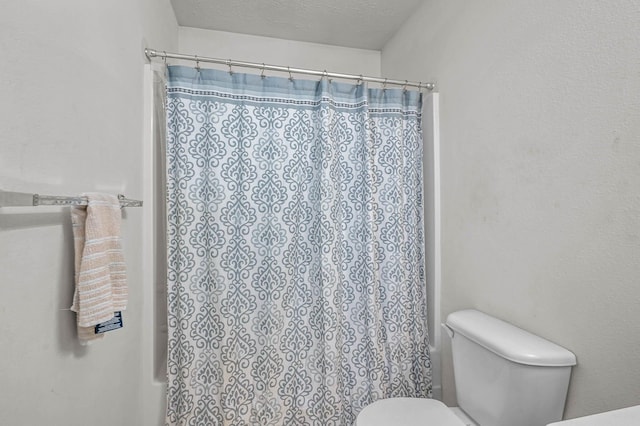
[(506, 376)]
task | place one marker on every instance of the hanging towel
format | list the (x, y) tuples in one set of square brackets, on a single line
[(101, 281)]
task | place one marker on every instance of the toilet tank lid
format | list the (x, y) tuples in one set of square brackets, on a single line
[(509, 341)]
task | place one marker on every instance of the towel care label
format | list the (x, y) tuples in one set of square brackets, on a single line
[(113, 324)]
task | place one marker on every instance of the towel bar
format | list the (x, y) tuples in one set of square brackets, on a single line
[(20, 199)]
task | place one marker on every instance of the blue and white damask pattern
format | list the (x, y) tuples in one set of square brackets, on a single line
[(296, 290)]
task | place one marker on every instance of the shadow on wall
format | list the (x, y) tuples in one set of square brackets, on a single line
[(65, 318)]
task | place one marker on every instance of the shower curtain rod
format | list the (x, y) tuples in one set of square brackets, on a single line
[(152, 53)]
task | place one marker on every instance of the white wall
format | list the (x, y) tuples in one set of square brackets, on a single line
[(71, 84), (540, 131), (274, 51)]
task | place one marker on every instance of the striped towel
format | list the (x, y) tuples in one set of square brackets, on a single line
[(101, 281)]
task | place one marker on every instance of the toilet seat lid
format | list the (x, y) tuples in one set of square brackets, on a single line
[(407, 412)]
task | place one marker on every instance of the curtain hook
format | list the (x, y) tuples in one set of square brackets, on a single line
[(360, 80), (384, 84), (262, 72), (290, 76), (197, 63), (325, 74), (229, 65), (164, 57), (404, 88)]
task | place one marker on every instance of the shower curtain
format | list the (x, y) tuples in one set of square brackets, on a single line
[(296, 291)]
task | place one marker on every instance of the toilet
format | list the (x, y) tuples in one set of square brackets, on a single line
[(504, 376)]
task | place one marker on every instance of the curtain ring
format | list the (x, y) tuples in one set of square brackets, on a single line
[(360, 80), (404, 88), (164, 57), (290, 76), (262, 72), (197, 63), (384, 84), (229, 65)]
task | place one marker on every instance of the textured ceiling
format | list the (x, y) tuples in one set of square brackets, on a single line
[(366, 24)]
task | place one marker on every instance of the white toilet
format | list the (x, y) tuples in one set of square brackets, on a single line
[(504, 376)]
